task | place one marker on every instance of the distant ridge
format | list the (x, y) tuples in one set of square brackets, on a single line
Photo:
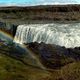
[(70, 12)]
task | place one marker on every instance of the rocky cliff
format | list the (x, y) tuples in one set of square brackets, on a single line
[(54, 56), (8, 28), (41, 13)]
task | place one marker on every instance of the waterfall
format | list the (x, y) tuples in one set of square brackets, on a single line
[(67, 35)]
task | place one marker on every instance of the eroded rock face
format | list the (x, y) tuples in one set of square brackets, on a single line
[(41, 55), (53, 56), (9, 28), (47, 12)]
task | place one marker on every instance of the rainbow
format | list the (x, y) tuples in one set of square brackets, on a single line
[(6, 34), (24, 47)]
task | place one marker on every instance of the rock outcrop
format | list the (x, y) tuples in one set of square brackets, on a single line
[(47, 12), (9, 28), (53, 56)]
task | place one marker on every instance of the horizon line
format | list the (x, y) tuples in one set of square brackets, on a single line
[(25, 4)]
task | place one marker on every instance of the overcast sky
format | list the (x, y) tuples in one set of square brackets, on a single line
[(37, 2)]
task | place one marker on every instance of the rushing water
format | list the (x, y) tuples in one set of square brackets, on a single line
[(67, 35)]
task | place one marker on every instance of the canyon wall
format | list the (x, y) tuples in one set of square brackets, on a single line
[(47, 12)]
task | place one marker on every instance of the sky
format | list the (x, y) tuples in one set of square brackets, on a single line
[(36, 2)]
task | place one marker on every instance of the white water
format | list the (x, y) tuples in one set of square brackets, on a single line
[(67, 35)]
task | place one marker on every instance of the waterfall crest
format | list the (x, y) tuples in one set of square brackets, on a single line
[(67, 35)]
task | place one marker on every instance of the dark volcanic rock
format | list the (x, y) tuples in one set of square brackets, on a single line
[(9, 28), (54, 56), (47, 12)]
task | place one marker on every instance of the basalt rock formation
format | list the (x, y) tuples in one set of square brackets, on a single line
[(9, 28), (49, 13), (53, 56)]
